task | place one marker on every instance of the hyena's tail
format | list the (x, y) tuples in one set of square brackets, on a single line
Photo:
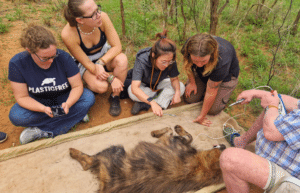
[(85, 160)]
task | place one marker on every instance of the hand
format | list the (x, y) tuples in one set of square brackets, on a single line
[(48, 111), (270, 98), (101, 73), (117, 85), (203, 121), (176, 99), (190, 88), (65, 106), (157, 110), (248, 95)]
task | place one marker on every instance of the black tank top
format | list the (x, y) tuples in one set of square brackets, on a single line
[(99, 45)]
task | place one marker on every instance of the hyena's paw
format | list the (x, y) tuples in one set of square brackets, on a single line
[(181, 132), (161, 132), (85, 160)]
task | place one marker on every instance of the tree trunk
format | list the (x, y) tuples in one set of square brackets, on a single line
[(123, 19), (274, 4), (222, 8), (184, 18), (237, 6), (172, 8), (213, 16), (295, 25)]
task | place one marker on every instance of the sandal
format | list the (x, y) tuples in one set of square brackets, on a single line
[(230, 134)]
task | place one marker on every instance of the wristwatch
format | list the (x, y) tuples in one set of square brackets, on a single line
[(149, 99)]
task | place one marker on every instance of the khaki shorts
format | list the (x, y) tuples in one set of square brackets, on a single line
[(281, 181), (105, 48)]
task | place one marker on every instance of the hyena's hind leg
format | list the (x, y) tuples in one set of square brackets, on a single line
[(186, 136), (163, 135), (85, 160)]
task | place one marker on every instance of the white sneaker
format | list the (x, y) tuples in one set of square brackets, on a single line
[(32, 133), (86, 118)]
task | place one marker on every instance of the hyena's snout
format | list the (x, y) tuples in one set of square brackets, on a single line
[(220, 146)]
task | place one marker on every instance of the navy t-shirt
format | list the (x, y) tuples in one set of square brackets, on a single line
[(48, 86), (142, 69), (227, 66)]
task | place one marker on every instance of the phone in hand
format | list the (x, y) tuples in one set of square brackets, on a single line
[(57, 111)]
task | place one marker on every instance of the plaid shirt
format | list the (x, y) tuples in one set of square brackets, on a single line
[(285, 153)]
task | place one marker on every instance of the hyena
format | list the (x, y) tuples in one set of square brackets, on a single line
[(170, 165)]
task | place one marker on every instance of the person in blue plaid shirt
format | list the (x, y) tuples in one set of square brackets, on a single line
[(277, 151)]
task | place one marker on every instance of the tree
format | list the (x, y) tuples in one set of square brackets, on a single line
[(214, 14), (295, 25), (123, 19)]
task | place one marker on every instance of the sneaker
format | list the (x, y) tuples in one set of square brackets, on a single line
[(139, 106), (86, 118), (3, 137), (32, 133), (115, 108)]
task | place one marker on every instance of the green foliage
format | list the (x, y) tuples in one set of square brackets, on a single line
[(3, 27), (260, 61)]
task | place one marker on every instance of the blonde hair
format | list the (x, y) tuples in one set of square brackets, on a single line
[(35, 37), (200, 45)]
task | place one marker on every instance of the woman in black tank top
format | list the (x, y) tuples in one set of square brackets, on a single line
[(94, 43)]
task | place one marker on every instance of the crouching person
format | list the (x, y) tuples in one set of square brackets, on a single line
[(277, 151), (155, 80), (47, 87)]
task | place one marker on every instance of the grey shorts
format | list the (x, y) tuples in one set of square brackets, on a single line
[(93, 57), (280, 181)]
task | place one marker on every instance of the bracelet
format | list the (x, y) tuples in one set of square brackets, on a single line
[(100, 61), (272, 106), (110, 79)]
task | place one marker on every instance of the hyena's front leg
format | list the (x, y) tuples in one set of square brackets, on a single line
[(163, 135), (85, 160), (180, 131)]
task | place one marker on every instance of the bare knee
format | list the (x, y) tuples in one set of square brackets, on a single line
[(228, 159), (99, 88), (121, 61)]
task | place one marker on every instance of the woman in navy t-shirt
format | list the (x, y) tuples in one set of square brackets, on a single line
[(213, 69), (47, 87)]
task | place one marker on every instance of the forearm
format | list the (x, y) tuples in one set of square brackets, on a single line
[(111, 54), (74, 95), (139, 93), (31, 104), (191, 78), (290, 103), (270, 131), (209, 100), (176, 85)]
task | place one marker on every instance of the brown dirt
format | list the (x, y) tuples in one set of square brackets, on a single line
[(9, 46)]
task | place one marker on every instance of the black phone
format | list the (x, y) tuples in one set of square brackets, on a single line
[(57, 111)]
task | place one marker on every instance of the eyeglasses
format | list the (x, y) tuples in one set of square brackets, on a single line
[(95, 14), (165, 63), (46, 59)]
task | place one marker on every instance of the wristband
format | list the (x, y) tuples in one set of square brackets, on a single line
[(100, 62), (272, 106), (149, 99), (110, 79)]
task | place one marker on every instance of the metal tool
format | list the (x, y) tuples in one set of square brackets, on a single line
[(237, 102)]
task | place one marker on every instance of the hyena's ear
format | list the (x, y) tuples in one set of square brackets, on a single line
[(85, 160)]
